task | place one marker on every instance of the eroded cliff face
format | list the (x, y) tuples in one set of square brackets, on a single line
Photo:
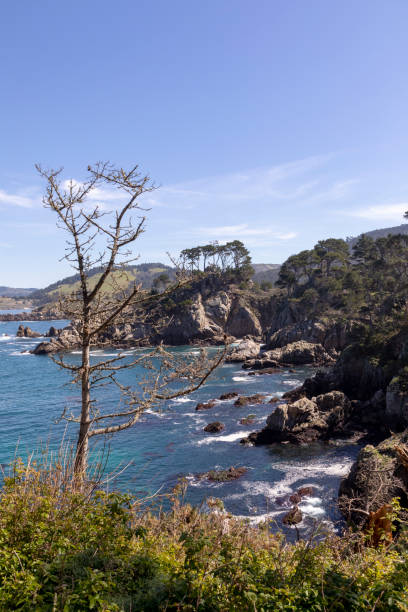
[(202, 314)]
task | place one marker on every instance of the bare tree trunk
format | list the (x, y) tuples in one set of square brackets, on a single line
[(81, 456)]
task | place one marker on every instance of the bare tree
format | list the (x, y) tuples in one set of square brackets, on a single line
[(104, 239)]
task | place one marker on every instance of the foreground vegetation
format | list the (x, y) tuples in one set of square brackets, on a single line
[(61, 549)]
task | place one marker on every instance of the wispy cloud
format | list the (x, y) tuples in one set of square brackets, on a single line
[(280, 182), (233, 230), (17, 199), (381, 212), (224, 233)]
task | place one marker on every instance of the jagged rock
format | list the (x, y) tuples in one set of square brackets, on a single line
[(214, 427), (305, 491), (243, 400), (305, 420), (248, 420), (45, 348), (379, 475), (295, 498), (300, 353), (27, 332), (242, 321), (247, 349), (260, 363), (206, 406), (265, 371), (332, 336), (228, 396), (396, 408), (53, 332), (231, 473), (293, 517)]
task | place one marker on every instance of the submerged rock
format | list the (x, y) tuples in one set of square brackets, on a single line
[(248, 420), (231, 473), (214, 427), (228, 396), (243, 400), (206, 406), (293, 517)]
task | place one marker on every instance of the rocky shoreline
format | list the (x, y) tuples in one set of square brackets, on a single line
[(353, 396)]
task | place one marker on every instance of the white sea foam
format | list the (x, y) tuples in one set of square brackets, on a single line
[(258, 518), (20, 354), (182, 400), (155, 413), (5, 337), (233, 437), (292, 383)]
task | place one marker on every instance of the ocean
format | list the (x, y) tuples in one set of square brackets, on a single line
[(168, 443)]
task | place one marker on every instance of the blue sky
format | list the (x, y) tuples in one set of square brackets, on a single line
[(275, 122)]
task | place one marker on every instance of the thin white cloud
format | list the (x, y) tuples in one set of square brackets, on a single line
[(16, 199), (287, 236), (224, 233), (233, 230), (381, 212), (287, 181)]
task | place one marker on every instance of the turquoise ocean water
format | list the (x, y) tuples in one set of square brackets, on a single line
[(170, 443)]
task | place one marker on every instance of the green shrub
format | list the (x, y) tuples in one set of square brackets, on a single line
[(64, 549)]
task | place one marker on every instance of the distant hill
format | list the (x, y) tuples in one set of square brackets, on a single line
[(142, 273), (266, 272), (380, 233), (15, 292)]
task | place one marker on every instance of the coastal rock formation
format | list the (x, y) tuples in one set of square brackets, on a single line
[(67, 339), (228, 396), (214, 427), (204, 313), (27, 332), (379, 475), (296, 353), (333, 337), (293, 517), (247, 349), (258, 398), (300, 353), (396, 403), (306, 420), (206, 406)]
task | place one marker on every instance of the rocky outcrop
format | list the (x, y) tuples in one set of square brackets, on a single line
[(333, 336), (67, 339), (227, 396), (206, 405), (247, 349), (214, 427), (306, 420), (27, 332), (297, 353), (245, 400), (300, 353), (242, 320), (293, 517), (379, 475), (396, 403)]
